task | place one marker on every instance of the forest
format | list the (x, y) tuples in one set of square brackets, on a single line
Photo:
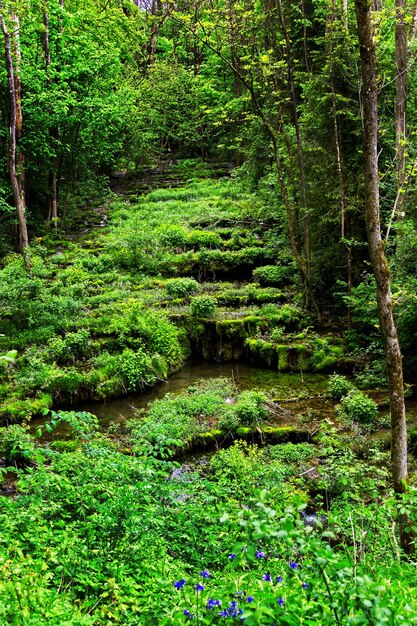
[(208, 312)]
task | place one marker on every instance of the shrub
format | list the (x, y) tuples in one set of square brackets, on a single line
[(173, 236), (203, 306), (292, 452), (339, 386), (181, 287), (16, 445), (357, 406), (273, 274), (251, 408), (135, 368), (204, 239)]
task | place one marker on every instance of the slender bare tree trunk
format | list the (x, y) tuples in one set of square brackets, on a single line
[(16, 159), (53, 133), (377, 255), (300, 151), (400, 102)]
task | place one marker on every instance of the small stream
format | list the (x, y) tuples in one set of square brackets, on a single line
[(297, 391)]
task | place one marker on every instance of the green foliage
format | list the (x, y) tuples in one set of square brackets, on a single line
[(17, 446), (339, 386), (181, 287), (275, 275), (251, 408), (358, 407), (203, 306)]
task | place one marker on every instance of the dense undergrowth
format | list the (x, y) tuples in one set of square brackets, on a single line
[(283, 521), (280, 534)]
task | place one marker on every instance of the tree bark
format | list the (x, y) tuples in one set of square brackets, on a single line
[(16, 159), (377, 255)]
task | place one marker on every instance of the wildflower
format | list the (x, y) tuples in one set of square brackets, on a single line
[(205, 574), (198, 587), (278, 579), (179, 584), (232, 556), (294, 565), (211, 604), (250, 599), (224, 613), (260, 554), (188, 614), (305, 585), (267, 577), (280, 601)]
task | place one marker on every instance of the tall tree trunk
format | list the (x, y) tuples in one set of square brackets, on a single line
[(16, 159), (339, 164), (400, 102), (377, 255), (154, 32), (53, 133), (300, 151)]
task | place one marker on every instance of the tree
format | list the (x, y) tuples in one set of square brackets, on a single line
[(16, 154), (377, 255)]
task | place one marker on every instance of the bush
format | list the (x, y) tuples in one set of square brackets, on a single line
[(292, 452), (358, 407), (273, 274), (204, 239), (181, 287), (203, 306), (16, 445), (251, 408), (339, 386)]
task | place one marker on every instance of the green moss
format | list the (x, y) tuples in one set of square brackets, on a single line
[(231, 328), (282, 352), (284, 434), (244, 432), (64, 445)]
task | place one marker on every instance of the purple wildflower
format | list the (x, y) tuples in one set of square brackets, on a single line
[(260, 554), (179, 584)]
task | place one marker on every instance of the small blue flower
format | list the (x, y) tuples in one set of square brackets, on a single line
[(198, 587), (294, 565), (205, 574), (280, 601), (188, 614), (305, 585), (224, 613), (179, 584), (233, 605), (267, 577), (278, 579), (250, 599), (211, 604), (232, 556), (260, 554)]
